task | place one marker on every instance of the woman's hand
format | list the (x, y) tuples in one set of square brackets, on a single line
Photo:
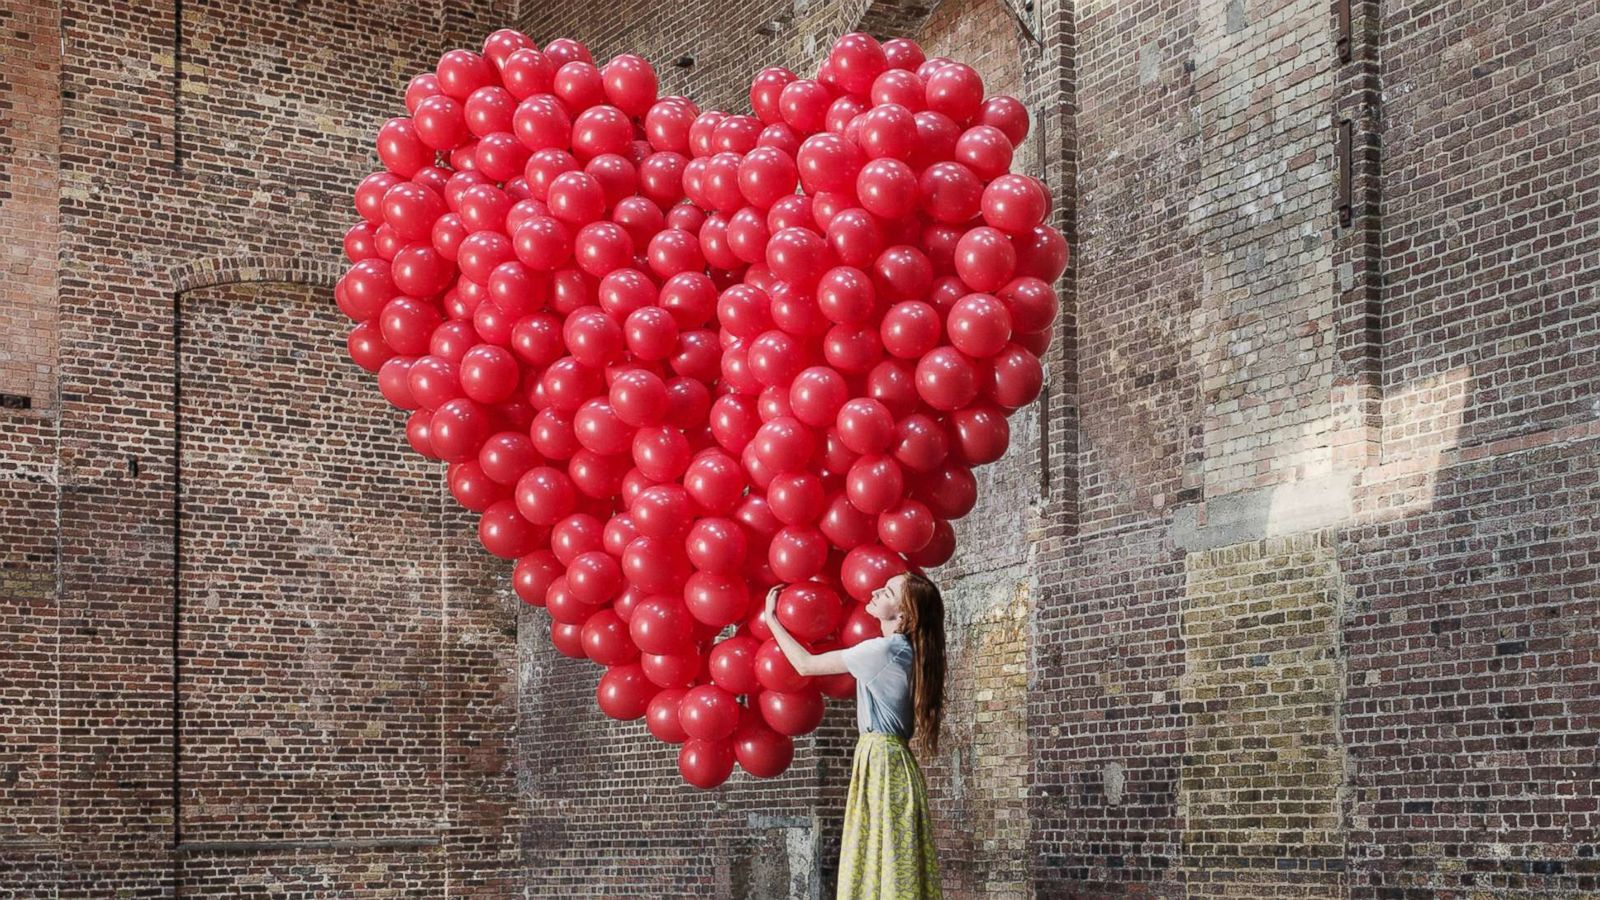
[(772, 603)]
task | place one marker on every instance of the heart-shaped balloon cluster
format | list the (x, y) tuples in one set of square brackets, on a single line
[(676, 357)]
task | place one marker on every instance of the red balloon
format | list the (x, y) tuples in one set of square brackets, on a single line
[(1007, 114), (766, 175), (489, 374), (798, 552), (505, 456), (816, 396), (784, 445), (939, 548), (407, 325), (597, 476), (803, 103), (579, 84), (606, 640), (865, 426), (716, 600), (575, 535), (919, 443), (860, 626), (367, 348), (828, 162), (1042, 254), (902, 273), (956, 90), (481, 252), (472, 488), (489, 109), (867, 568), (950, 490), (671, 670), (716, 545), (733, 664), (889, 130), (857, 60), (936, 138), (568, 639), (662, 625), (706, 764), (910, 329), (765, 89), (420, 88), (846, 295), (761, 751), (844, 525), (950, 192), (394, 382), (661, 716), (797, 255), (716, 482), (663, 511), (856, 237), (852, 349), (979, 325), (401, 149), (1030, 302), (458, 429), (594, 577), (657, 565), (411, 209), (624, 693), (775, 358), (810, 610), (792, 713), (709, 713), (630, 84), (526, 72), (796, 498), (533, 575), (1015, 204), (946, 380), (1018, 377), (505, 533), (906, 528), (661, 452), (985, 259), (888, 188), (980, 434), (545, 495), (774, 672), (874, 484)]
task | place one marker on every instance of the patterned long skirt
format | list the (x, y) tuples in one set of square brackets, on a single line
[(888, 852)]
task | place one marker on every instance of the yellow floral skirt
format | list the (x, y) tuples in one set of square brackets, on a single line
[(888, 851)]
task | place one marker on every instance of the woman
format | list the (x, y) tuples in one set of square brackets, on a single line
[(888, 835)]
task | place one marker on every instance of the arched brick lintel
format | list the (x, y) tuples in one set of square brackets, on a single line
[(212, 271)]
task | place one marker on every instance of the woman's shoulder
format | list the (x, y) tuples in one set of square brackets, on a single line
[(898, 645)]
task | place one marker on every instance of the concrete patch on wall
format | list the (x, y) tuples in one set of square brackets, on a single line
[(1260, 790), (979, 780)]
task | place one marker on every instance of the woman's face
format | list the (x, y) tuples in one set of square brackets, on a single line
[(884, 604)]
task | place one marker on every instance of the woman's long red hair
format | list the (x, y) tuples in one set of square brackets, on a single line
[(922, 622)]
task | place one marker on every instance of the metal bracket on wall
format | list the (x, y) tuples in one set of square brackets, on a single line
[(1345, 43), (1344, 132)]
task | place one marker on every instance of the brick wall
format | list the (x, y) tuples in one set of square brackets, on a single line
[(336, 693), (1286, 588), (30, 126)]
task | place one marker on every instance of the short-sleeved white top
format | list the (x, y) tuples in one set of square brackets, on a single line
[(882, 669)]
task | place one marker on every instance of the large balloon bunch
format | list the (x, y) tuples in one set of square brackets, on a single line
[(674, 357)]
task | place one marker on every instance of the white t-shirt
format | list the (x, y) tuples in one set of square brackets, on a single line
[(882, 669)]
